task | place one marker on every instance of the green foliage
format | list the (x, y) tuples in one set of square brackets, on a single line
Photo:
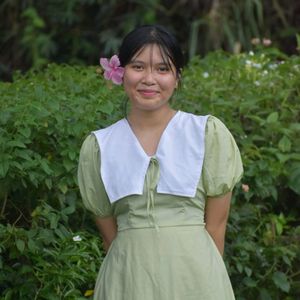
[(44, 118), (48, 261)]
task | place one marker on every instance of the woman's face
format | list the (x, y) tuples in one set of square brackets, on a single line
[(148, 81)]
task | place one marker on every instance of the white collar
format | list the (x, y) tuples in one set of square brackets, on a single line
[(180, 155)]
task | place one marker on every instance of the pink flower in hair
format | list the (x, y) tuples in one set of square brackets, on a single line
[(112, 69)]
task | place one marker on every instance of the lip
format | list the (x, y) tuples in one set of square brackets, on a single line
[(148, 93)]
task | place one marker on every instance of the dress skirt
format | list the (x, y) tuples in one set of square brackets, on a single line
[(171, 263)]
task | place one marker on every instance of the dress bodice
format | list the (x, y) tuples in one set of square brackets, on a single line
[(152, 209)]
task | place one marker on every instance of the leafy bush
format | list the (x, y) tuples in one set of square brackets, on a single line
[(48, 261), (44, 118), (258, 98)]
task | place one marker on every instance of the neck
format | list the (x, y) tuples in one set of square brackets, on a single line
[(148, 119)]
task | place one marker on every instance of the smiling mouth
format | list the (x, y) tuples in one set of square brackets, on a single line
[(148, 93)]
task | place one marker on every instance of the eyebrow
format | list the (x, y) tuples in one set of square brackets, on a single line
[(142, 62)]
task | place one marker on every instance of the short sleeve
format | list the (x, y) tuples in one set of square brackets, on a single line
[(90, 183), (222, 166)]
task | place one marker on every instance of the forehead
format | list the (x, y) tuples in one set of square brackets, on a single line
[(152, 52)]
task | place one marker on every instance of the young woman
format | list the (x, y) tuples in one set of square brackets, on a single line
[(159, 182)]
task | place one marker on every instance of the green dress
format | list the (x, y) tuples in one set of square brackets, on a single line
[(162, 250)]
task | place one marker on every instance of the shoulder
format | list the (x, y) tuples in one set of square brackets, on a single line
[(109, 128), (89, 146), (216, 129), (219, 138), (189, 120), (214, 125)]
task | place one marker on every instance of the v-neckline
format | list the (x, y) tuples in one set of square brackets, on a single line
[(160, 139)]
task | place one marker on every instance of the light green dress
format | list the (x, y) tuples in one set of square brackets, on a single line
[(162, 250)]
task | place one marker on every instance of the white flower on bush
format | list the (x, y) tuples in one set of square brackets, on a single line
[(251, 53), (205, 75), (250, 63), (257, 83), (255, 65), (273, 66), (265, 72), (296, 67), (77, 238)]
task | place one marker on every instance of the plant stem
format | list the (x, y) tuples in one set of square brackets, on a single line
[(4, 205)]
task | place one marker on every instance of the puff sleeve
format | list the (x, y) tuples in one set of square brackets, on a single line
[(90, 183), (222, 166)]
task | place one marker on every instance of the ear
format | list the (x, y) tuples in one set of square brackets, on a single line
[(176, 84), (177, 80)]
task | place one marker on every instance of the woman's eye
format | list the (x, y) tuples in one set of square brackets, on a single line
[(163, 69), (137, 67)]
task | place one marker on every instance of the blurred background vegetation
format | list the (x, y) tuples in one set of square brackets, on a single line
[(35, 32), (49, 246)]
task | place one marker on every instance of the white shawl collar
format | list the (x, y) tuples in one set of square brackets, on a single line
[(180, 155)]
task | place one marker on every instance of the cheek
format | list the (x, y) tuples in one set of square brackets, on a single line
[(169, 84), (130, 81)]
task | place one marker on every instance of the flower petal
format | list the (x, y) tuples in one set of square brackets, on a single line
[(119, 71), (108, 74), (114, 61), (105, 64), (116, 78)]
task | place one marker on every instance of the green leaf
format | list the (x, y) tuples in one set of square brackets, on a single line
[(283, 157), (249, 282), (265, 295), (45, 167), (279, 227), (4, 117), (68, 164), (32, 246), (63, 187), (26, 269), (106, 107), (285, 144), (72, 155), (4, 167), (248, 271), (69, 210), (20, 245), (287, 260), (16, 144), (281, 281), (272, 117), (48, 183), (294, 178), (54, 218), (9, 294), (25, 131), (239, 267)]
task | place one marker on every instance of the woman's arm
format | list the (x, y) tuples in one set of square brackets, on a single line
[(108, 230), (216, 215)]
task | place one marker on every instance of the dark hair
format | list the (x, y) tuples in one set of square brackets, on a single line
[(144, 35)]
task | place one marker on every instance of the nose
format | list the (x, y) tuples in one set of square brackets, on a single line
[(149, 78)]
